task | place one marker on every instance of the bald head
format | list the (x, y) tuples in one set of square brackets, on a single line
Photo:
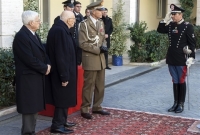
[(65, 15), (68, 18)]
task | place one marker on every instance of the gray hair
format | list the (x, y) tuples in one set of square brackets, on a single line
[(65, 15), (28, 16)]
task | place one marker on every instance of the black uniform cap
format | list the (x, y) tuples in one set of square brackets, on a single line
[(68, 3), (175, 9)]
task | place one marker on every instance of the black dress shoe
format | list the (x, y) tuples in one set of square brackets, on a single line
[(86, 115), (62, 130), (108, 68), (69, 124), (102, 112)]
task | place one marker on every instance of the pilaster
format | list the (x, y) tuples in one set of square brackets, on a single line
[(10, 20)]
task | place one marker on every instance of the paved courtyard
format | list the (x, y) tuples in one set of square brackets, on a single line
[(139, 88)]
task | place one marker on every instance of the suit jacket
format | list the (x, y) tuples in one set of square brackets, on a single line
[(61, 49), (31, 66), (92, 59), (108, 28)]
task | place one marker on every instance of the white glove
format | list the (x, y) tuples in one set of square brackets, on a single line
[(189, 61), (167, 18)]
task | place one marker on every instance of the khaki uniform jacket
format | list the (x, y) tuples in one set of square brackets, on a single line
[(92, 59)]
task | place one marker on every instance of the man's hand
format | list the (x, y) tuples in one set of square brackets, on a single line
[(167, 18), (106, 35), (103, 49), (64, 84), (189, 61), (48, 69)]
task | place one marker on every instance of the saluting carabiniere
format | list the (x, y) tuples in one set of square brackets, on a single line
[(181, 50)]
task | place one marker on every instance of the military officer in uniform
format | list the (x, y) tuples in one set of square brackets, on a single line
[(91, 37), (67, 5), (74, 30), (181, 34)]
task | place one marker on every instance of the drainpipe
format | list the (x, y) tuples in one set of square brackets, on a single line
[(138, 11)]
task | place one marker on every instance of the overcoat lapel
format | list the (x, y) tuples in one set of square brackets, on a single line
[(38, 43)]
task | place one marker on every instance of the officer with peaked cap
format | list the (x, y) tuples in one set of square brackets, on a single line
[(67, 5), (74, 30), (181, 34), (91, 37)]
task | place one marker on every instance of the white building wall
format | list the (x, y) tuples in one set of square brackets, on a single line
[(10, 20), (198, 13), (130, 10)]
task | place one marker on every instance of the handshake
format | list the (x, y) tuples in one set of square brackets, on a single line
[(103, 49)]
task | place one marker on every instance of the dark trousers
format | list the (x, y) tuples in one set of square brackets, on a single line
[(106, 58), (59, 118), (28, 124)]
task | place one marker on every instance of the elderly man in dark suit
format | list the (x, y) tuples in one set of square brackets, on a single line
[(61, 49), (91, 37), (32, 64), (108, 31)]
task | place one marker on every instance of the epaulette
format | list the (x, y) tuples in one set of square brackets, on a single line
[(186, 23), (84, 20)]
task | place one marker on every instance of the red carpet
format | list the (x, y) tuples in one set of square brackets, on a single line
[(122, 122)]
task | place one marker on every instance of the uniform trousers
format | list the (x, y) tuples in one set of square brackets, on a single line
[(94, 83), (178, 73), (28, 124)]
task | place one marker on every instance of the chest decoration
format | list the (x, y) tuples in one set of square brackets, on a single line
[(176, 42), (101, 28), (175, 30)]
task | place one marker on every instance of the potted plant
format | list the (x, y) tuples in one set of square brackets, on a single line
[(119, 35)]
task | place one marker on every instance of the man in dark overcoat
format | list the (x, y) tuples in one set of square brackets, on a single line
[(181, 34), (32, 64), (61, 49), (108, 31)]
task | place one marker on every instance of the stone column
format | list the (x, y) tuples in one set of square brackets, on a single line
[(198, 13), (10, 20), (130, 16)]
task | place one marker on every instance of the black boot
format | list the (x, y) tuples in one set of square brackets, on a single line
[(175, 89), (182, 93)]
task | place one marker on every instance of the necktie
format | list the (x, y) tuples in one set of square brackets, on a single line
[(36, 37)]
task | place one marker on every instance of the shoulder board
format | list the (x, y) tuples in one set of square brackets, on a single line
[(84, 21), (186, 23)]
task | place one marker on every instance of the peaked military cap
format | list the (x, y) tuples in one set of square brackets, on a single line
[(68, 3), (175, 9), (98, 5)]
